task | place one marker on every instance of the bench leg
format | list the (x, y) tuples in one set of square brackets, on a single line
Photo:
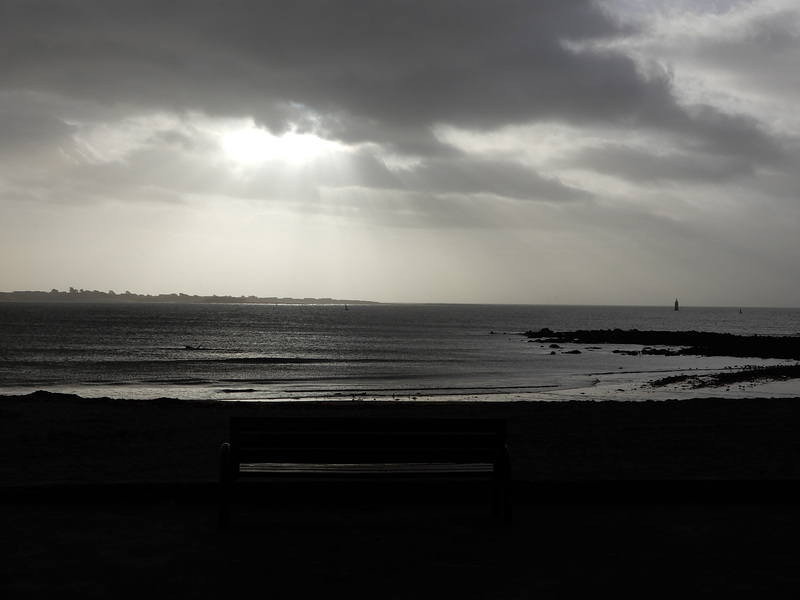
[(507, 502), (225, 485), (502, 487), (497, 493)]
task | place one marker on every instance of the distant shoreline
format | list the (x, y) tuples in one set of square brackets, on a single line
[(74, 295)]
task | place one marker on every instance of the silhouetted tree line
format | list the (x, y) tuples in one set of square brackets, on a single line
[(81, 295)]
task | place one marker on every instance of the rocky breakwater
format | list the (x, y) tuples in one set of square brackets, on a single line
[(695, 343)]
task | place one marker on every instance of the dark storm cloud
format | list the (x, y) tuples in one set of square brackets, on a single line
[(643, 165), (359, 71), (715, 132), (25, 127), (384, 73), (470, 176), (705, 145)]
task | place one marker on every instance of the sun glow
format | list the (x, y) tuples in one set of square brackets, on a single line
[(253, 145)]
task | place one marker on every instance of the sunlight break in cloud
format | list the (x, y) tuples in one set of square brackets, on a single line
[(250, 144)]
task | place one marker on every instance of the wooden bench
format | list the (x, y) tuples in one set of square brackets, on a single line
[(280, 448)]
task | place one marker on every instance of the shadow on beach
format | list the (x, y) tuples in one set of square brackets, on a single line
[(346, 546), (692, 499)]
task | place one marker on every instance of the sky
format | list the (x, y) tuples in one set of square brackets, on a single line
[(620, 152)]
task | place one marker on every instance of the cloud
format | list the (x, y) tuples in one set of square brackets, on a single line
[(636, 164), (471, 176), (363, 72), (571, 122), (358, 72)]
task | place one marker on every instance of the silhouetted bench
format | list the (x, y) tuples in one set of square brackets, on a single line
[(280, 448)]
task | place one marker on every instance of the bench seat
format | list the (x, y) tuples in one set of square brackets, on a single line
[(345, 469), (280, 448)]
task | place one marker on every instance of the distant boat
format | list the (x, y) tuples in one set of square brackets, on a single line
[(676, 305)]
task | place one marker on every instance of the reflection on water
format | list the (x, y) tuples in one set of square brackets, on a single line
[(300, 351)]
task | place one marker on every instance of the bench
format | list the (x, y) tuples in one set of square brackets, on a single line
[(281, 448)]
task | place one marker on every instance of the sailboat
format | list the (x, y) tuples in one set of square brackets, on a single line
[(676, 305)]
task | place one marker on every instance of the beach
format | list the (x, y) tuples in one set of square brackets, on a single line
[(693, 497)]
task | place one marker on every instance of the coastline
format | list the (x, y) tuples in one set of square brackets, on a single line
[(756, 378)]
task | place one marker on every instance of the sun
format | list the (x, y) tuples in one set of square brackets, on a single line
[(250, 145)]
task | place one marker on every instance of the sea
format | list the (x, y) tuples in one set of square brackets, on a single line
[(302, 352)]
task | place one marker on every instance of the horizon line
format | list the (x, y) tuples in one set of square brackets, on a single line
[(77, 295)]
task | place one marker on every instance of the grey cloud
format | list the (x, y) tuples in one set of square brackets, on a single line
[(370, 71), (357, 71), (639, 164), (731, 135), (362, 71), (755, 49), (25, 129), (700, 144), (504, 179), (433, 177), (462, 178)]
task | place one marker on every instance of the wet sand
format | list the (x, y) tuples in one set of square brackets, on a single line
[(694, 498)]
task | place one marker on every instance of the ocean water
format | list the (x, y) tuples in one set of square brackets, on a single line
[(303, 352)]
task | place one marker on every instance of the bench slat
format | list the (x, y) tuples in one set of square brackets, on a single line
[(333, 424), (366, 439), (360, 455), (364, 468)]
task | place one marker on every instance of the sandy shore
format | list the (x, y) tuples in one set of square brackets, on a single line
[(49, 438), (657, 499)]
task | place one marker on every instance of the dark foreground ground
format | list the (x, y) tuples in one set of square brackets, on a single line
[(698, 499)]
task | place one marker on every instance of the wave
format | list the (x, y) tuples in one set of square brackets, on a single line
[(272, 360)]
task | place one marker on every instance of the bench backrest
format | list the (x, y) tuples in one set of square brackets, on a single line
[(336, 440)]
